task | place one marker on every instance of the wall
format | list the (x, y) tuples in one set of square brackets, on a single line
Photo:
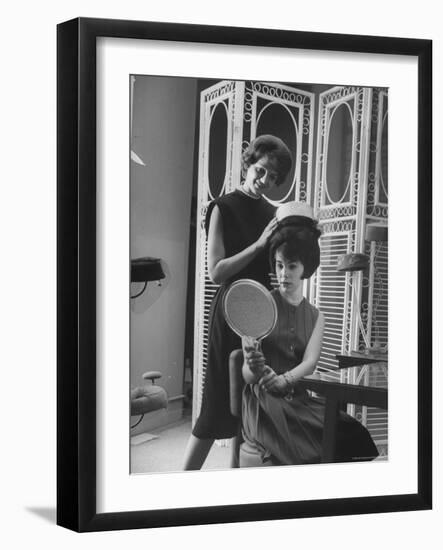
[(163, 137)]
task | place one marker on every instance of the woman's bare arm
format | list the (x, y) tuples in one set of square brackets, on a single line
[(312, 352), (221, 268)]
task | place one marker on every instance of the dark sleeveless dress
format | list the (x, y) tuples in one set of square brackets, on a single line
[(290, 431), (244, 220)]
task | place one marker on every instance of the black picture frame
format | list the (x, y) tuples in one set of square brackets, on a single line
[(76, 278)]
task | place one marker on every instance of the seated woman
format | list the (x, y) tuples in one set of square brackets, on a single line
[(282, 423)]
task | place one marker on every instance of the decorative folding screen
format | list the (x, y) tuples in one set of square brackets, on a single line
[(375, 286), (220, 134), (350, 191), (340, 202)]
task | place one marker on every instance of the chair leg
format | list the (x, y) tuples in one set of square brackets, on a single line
[(235, 451)]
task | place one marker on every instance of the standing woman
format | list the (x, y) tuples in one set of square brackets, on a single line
[(238, 226)]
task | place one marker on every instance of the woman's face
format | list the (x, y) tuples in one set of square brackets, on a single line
[(261, 176), (289, 273)]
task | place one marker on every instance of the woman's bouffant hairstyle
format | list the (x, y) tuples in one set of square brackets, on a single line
[(272, 147), (298, 236)]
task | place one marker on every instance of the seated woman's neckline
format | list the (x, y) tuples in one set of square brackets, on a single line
[(290, 303)]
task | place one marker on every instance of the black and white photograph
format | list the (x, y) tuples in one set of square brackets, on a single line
[(259, 287), (243, 275), (221, 295)]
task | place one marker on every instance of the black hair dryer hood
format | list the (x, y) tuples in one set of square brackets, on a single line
[(146, 269)]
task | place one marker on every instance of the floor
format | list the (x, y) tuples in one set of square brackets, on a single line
[(165, 452), (164, 449)]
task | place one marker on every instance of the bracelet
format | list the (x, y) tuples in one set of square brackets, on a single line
[(288, 380)]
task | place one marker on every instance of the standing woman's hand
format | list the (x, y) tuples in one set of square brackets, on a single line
[(267, 232)]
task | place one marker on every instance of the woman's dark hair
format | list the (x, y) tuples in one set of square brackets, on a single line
[(272, 147), (298, 236)]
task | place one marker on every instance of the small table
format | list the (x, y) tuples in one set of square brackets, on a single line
[(365, 360), (358, 359), (368, 361), (337, 394)]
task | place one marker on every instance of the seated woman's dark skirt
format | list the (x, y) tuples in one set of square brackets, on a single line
[(291, 431)]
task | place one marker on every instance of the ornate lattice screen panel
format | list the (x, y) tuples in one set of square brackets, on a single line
[(219, 140), (375, 287), (375, 300), (234, 113), (340, 201), (352, 191), (288, 113)]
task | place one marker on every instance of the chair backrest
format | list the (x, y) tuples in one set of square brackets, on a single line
[(236, 382)]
